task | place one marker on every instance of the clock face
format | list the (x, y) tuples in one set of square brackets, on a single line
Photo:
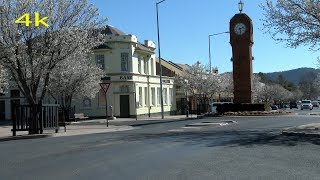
[(240, 28)]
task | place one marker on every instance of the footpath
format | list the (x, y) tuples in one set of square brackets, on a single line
[(141, 121), (91, 127)]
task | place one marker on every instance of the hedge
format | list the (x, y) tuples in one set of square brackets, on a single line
[(230, 107)]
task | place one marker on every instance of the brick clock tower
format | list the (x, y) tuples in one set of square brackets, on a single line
[(241, 40)]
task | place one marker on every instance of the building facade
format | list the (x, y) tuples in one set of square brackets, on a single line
[(130, 68)]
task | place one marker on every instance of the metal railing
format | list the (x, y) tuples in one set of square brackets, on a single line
[(35, 118)]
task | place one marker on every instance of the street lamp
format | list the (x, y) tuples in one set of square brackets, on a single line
[(187, 99), (240, 6), (159, 51), (209, 37)]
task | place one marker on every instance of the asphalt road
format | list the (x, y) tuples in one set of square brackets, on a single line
[(252, 148), (305, 111)]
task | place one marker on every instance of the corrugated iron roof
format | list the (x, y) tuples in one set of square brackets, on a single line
[(110, 30), (142, 47)]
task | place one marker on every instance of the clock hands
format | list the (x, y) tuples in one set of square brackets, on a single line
[(240, 28)]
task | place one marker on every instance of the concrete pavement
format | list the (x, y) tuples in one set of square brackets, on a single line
[(140, 121), (72, 130), (91, 127)]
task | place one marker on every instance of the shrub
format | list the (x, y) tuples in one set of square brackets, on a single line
[(230, 107)]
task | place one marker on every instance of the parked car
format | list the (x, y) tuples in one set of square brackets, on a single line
[(274, 107), (293, 105), (306, 104), (315, 103), (286, 105)]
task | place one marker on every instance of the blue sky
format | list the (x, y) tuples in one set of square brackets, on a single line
[(186, 24)]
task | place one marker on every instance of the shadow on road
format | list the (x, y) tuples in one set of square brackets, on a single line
[(227, 138)]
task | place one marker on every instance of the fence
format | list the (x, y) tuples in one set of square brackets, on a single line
[(35, 118)]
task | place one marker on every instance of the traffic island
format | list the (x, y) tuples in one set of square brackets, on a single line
[(307, 130), (257, 113), (210, 123)]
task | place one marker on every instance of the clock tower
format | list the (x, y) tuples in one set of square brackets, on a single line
[(241, 40)]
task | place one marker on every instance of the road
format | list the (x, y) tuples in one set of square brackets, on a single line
[(305, 111), (252, 148)]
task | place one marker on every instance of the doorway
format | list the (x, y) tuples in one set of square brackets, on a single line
[(2, 110), (124, 106)]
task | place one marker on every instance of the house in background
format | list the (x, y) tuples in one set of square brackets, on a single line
[(171, 69), (130, 67)]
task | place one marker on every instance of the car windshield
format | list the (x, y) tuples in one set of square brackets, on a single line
[(306, 101)]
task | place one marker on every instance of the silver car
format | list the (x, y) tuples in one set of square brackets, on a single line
[(315, 103), (306, 104)]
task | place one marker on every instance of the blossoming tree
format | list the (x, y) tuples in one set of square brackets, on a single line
[(31, 54)]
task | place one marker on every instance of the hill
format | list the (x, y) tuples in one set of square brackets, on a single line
[(293, 75)]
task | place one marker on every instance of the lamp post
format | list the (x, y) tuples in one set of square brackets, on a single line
[(209, 37), (187, 99), (159, 52)]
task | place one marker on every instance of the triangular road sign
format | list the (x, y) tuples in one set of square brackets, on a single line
[(105, 87)]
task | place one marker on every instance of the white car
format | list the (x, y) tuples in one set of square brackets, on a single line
[(306, 104)]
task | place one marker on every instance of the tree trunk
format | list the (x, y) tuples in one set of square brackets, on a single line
[(36, 119)]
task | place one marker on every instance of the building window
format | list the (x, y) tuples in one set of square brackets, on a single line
[(140, 96), (158, 96), (86, 102), (100, 61), (145, 65), (124, 62), (146, 96), (171, 95), (153, 96), (152, 67), (139, 64), (165, 96), (142, 64)]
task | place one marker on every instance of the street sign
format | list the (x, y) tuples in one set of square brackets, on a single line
[(105, 86)]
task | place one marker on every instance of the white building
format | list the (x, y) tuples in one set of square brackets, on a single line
[(130, 67)]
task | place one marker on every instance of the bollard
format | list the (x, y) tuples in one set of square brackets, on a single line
[(187, 111), (111, 111)]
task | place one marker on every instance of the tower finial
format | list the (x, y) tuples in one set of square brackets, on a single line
[(240, 6)]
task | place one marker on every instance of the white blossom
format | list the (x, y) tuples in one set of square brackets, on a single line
[(205, 86), (31, 54), (75, 77)]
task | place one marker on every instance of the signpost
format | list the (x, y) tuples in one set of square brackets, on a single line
[(105, 87)]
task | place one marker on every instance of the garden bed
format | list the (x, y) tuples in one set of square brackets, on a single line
[(257, 113)]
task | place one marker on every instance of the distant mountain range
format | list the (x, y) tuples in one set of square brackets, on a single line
[(293, 75)]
